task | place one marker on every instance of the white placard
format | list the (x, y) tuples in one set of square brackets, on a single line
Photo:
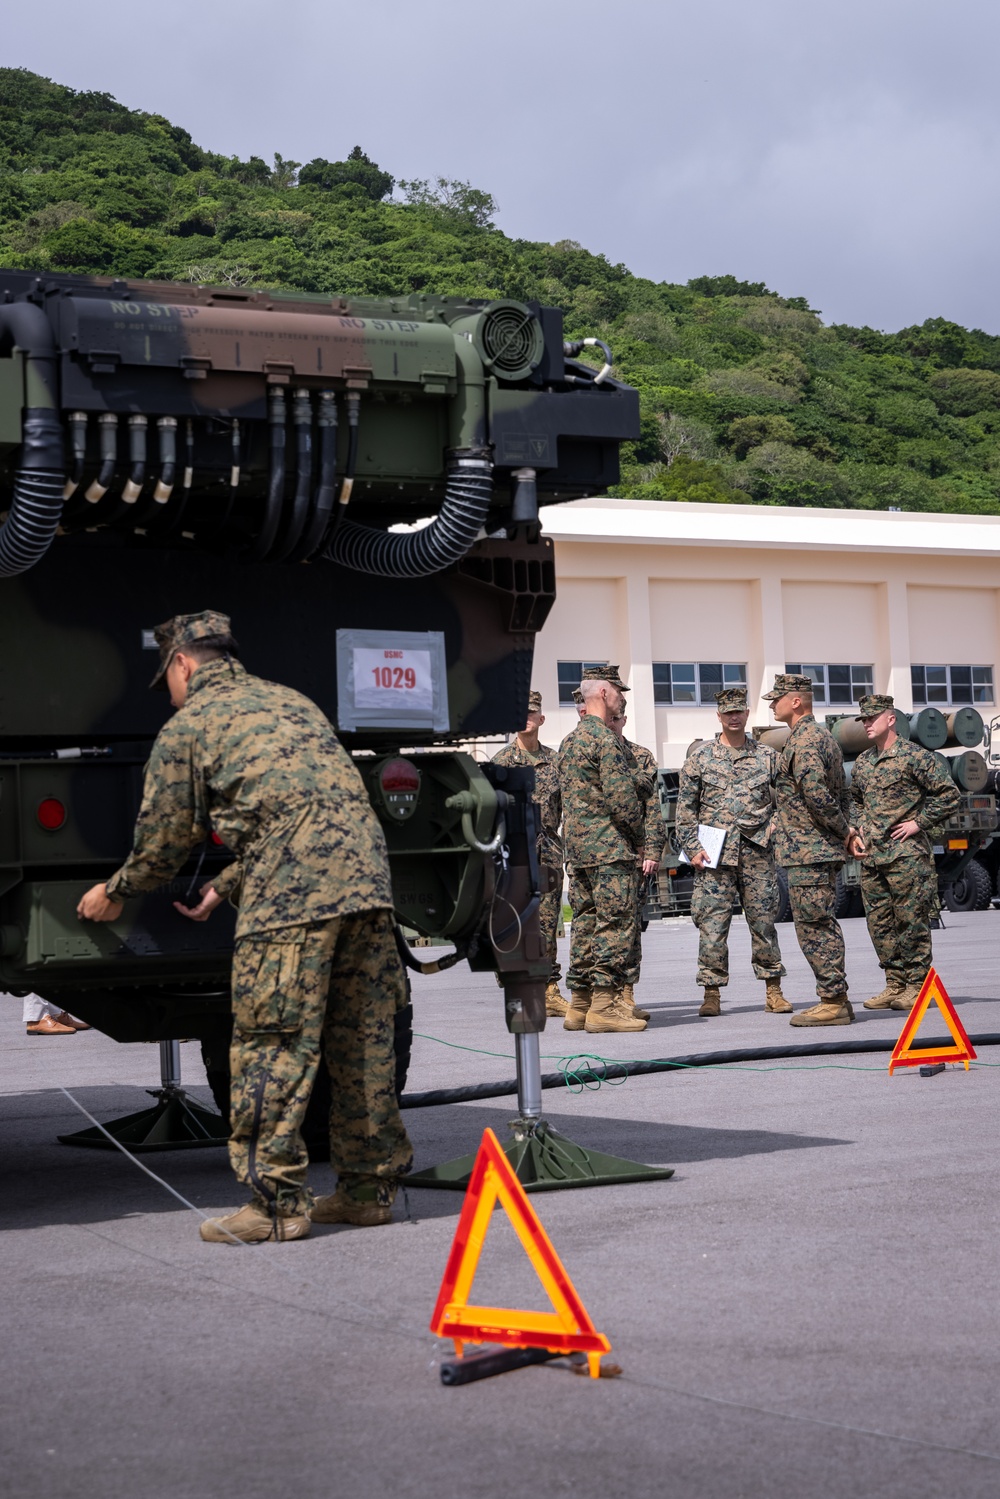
[(393, 680)]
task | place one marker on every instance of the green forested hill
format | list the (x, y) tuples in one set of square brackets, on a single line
[(746, 395)]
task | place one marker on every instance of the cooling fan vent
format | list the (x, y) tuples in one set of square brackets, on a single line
[(510, 339)]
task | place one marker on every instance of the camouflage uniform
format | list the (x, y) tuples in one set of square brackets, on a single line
[(898, 877), (548, 802), (732, 789), (642, 763), (812, 827), (603, 830), (315, 961)]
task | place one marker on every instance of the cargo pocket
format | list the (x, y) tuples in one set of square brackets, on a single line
[(267, 986)]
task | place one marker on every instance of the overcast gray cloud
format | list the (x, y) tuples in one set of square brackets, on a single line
[(846, 152)]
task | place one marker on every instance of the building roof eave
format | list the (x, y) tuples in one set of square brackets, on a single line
[(667, 522)]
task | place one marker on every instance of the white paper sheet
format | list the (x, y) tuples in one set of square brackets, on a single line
[(711, 840)]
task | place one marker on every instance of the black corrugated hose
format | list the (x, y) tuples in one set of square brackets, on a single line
[(617, 1071), (40, 480), (417, 554)]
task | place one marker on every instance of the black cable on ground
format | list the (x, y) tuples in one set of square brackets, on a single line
[(617, 1071)]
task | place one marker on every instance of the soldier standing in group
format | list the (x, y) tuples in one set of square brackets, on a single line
[(642, 764), (728, 783), (315, 964), (813, 836), (603, 832), (902, 798), (527, 750)]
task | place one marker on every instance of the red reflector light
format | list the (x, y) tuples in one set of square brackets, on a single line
[(51, 814), (399, 775), (217, 840)]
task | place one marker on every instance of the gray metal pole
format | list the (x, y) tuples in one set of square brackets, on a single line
[(529, 1075), (170, 1064)]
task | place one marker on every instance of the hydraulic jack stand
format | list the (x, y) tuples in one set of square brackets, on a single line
[(543, 1160), (176, 1122)]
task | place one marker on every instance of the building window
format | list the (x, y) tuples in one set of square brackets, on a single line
[(569, 674), (680, 683), (835, 684), (951, 684)]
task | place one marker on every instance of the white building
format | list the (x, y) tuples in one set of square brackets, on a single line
[(684, 597)]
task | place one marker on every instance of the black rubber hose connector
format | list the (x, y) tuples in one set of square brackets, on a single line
[(276, 484), (302, 418), (325, 495), (40, 481), (418, 554)]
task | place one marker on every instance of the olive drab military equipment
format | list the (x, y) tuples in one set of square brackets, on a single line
[(168, 449)]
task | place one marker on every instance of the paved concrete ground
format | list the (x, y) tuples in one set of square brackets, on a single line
[(809, 1307)]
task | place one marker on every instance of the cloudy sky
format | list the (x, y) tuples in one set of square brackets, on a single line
[(841, 150)]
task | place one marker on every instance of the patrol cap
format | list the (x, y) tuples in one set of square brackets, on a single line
[(732, 700), (186, 629), (788, 682), (874, 703), (534, 702), (577, 697), (604, 674)]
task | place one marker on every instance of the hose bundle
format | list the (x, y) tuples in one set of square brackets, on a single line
[(39, 484), (417, 554)]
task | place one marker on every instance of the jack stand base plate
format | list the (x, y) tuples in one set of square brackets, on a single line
[(175, 1123), (545, 1161)]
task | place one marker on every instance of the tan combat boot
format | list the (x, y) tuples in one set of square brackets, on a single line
[(555, 1005), (905, 997), (579, 1004), (362, 1209), (835, 1011), (883, 1000), (775, 1002), (712, 1003), (628, 999), (608, 1013), (254, 1225)]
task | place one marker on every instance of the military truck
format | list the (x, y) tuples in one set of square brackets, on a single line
[(356, 483), (966, 860)]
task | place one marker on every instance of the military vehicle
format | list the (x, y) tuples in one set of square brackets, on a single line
[(356, 483), (967, 858)]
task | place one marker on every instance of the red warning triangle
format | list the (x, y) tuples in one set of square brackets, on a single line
[(566, 1329), (962, 1051)]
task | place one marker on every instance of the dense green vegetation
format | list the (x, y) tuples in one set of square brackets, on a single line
[(746, 395)]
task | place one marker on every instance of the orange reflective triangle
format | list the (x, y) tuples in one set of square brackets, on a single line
[(566, 1329), (962, 1051)]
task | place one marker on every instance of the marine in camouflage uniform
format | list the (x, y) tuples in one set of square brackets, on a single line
[(603, 828), (812, 831), (730, 785), (527, 750), (642, 764), (902, 797), (315, 964)]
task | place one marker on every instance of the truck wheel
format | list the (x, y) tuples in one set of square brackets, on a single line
[(784, 904), (844, 901), (972, 891)]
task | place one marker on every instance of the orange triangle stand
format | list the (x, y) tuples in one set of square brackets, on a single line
[(567, 1329), (962, 1051)]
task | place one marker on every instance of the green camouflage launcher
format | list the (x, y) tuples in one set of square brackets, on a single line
[(168, 448)]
